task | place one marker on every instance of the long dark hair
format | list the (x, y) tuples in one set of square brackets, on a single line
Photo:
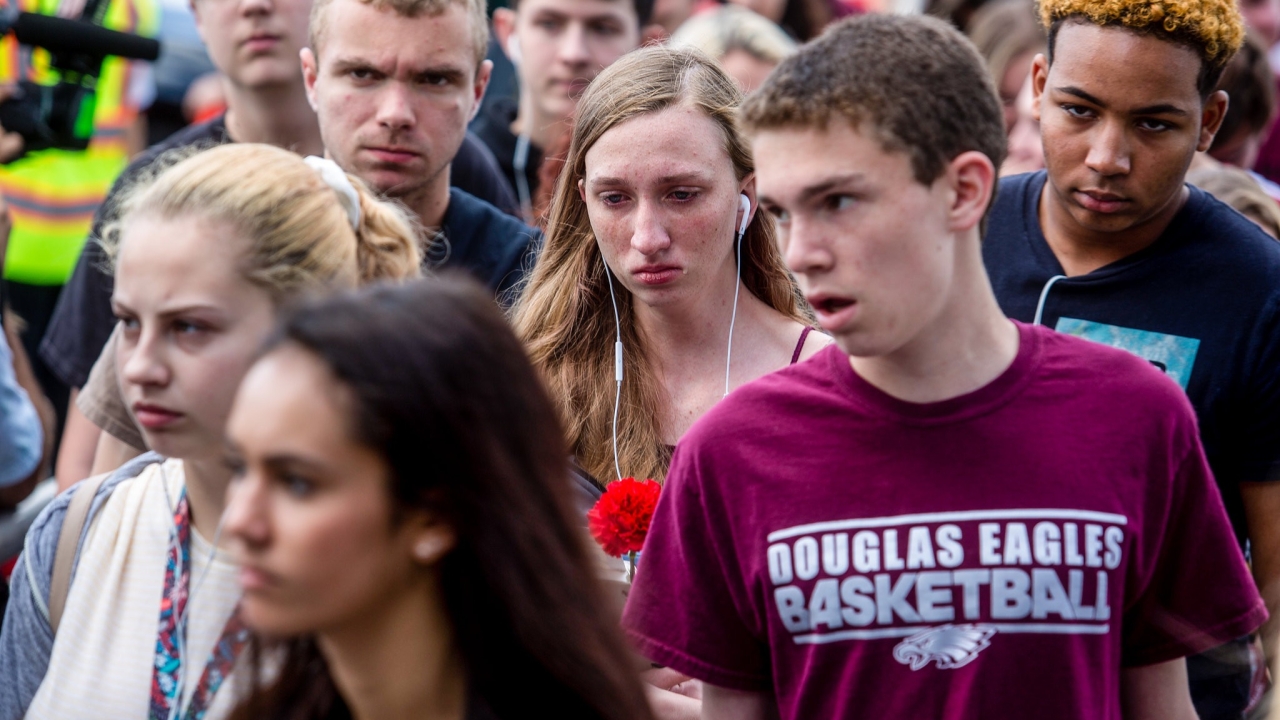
[(446, 393)]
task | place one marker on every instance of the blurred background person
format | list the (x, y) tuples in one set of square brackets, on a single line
[(1238, 189), (1008, 35), (409, 535), (1026, 148), (748, 46), (26, 415), (801, 19), (53, 192), (557, 47), (207, 255)]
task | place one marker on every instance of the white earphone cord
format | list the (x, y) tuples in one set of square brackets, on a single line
[(617, 365), (617, 325)]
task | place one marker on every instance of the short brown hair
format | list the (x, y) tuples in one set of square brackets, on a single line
[(916, 82), (411, 9)]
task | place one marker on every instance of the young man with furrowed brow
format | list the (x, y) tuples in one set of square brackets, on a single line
[(1109, 243), (947, 514)]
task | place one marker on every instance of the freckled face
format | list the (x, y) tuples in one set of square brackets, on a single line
[(662, 196)]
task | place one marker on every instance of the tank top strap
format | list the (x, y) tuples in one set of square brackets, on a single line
[(804, 335)]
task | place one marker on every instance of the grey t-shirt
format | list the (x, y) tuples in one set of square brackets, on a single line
[(26, 639)]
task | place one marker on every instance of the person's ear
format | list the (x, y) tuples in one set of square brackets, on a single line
[(972, 177), (653, 34), (310, 69), (1215, 111), (432, 541), (1039, 78), (582, 190), (483, 73), (504, 29), (748, 187)]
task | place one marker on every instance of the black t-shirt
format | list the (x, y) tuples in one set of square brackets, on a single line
[(493, 246), (493, 126), (1202, 303), (82, 320)]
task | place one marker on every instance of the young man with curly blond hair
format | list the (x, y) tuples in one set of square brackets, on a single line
[(1109, 243), (946, 514)]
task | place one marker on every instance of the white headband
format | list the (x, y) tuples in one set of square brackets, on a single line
[(335, 178)]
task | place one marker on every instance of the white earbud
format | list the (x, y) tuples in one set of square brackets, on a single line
[(745, 203)]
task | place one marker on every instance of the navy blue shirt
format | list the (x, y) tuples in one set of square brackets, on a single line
[(493, 246), (1202, 303)]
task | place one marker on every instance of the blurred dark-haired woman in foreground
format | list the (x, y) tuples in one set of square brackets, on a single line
[(404, 528)]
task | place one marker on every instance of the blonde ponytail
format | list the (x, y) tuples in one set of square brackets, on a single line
[(387, 240), (300, 236)]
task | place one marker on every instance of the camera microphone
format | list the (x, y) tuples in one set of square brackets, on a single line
[(59, 35)]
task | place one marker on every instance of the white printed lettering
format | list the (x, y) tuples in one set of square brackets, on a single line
[(950, 551), (1047, 540), (806, 552), (1048, 595), (892, 560), (1103, 607), (1075, 581), (855, 591), (1071, 544), (971, 580), (989, 543), (1113, 538), (824, 604), (1010, 594), (866, 552), (835, 553), (893, 599), (1093, 545), (1017, 546), (933, 596), (780, 563), (790, 601), (919, 549)]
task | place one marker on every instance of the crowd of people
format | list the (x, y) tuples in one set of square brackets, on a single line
[(952, 334)]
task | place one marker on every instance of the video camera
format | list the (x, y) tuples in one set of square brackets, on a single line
[(61, 115)]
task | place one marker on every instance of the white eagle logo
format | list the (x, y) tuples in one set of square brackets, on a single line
[(950, 646)]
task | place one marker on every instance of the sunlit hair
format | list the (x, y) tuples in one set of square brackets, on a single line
[(1004, 30), (477, 18), (300, 237), (565, 317), (727, 28), (1214, 29)]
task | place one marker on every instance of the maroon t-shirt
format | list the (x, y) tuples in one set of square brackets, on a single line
[(1000, 554)]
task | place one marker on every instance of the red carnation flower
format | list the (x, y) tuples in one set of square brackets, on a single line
[(620, 519)]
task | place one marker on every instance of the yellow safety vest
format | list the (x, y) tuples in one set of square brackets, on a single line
[(52, 194)]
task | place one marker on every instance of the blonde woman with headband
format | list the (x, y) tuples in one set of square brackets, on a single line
[(660, 288), (124, 603)]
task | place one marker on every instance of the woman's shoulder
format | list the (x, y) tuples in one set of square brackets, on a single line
[(41, 544), (809, 342)]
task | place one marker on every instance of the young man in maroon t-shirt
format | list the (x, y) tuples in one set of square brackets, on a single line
[(947, 514)]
